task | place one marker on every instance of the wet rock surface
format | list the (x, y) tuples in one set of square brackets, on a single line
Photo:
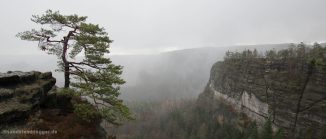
[(21, 93)]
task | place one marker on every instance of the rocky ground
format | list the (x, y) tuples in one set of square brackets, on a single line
[(30, 103)]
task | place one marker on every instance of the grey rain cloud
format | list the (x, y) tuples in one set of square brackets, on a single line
[(150, 26)]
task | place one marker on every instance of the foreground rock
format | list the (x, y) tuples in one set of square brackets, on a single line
[(29, 101), (22, 93)]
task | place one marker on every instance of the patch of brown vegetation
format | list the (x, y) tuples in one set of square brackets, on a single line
[(67, 125)]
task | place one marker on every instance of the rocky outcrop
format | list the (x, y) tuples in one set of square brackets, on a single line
[(263, 89), (29, 101), (21, 93)]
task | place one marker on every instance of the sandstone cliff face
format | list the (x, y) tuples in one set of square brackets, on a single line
[(21, 93), (263, 89)]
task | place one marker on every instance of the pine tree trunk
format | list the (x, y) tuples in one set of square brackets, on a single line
[(66, 64), (66, 75), (64, 57)]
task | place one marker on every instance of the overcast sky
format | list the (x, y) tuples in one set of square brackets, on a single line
[(147, 26)]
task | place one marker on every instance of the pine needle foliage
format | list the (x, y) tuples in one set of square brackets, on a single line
[(82, 49)]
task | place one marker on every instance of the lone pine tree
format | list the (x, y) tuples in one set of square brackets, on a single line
[(67, 36)]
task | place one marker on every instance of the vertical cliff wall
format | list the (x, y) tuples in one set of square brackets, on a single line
[(263, 88)]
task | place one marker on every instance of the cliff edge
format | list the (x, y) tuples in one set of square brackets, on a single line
[(289, 91)]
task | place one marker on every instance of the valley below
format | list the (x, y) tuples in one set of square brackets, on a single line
[(213, 92)]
